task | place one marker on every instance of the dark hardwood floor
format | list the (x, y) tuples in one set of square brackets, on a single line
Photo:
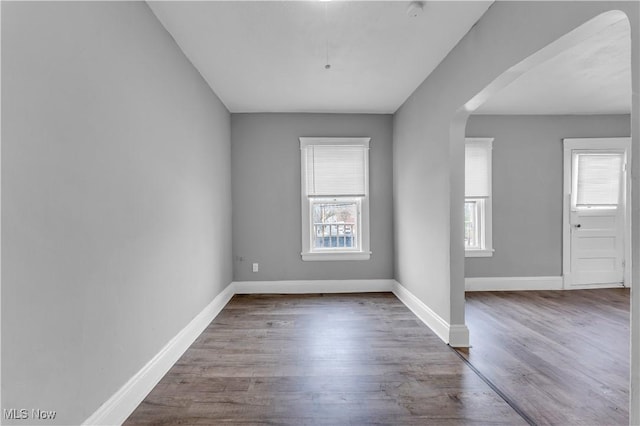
[(321, 359), (561, 356)]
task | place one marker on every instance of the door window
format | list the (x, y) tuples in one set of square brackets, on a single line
[(598, 179)]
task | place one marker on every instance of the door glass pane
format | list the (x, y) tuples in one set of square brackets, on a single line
[(599, 177)]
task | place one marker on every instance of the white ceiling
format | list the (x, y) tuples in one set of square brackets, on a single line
[(270, 56), (593, 77)]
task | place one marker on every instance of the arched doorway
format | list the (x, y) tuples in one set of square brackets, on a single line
[(457, 136)]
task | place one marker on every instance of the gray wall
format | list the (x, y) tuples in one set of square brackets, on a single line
[(116, 200), (265, 155), (527, 188)]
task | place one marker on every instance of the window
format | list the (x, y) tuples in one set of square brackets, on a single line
[(477, 197), (599, 178), (335, 198)]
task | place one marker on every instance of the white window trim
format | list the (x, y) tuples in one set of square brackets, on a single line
[(488, 249), (363, 252)]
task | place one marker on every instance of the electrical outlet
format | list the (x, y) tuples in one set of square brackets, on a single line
[(256, 267)]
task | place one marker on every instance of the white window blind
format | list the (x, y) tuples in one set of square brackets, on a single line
[(477, 169), (336, 170), (599, 178)]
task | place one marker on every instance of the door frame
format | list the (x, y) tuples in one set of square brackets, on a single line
[(614, 143)]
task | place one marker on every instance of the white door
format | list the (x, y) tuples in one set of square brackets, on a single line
[(596, 213)]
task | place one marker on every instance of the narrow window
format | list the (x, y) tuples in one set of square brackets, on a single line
[(335, 198), (477, 203)]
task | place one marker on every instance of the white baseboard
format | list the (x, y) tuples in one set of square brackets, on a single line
[(456, 335), (312, 286), (513, 283), (120, 406)]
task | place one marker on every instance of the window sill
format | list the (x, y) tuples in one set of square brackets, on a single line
[(336, 256), (479, 253)]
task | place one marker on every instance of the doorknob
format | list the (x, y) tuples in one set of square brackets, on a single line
[(577, 226)]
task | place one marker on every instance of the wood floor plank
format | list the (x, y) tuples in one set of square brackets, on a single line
[(561, 356), (321, 360)]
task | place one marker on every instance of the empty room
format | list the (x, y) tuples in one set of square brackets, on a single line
[(320, 212)]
